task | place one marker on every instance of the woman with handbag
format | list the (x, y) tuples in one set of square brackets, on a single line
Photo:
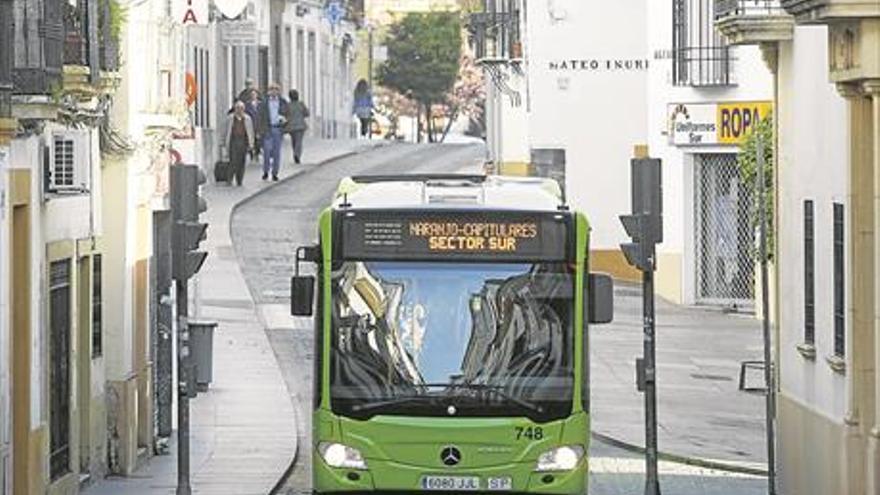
[(296, 124), (239, 140)]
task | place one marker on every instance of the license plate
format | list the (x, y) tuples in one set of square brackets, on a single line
[(451, 483), (504, 484)]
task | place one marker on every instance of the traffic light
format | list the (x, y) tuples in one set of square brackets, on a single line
[(188, 232), (645, 224)]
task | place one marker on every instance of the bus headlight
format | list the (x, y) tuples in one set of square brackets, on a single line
[(560, 459), (341, 456)]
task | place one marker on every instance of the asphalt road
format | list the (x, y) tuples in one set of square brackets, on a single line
[(266, 231)]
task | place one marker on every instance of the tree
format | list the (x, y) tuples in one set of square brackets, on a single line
[(468, 95), (748, 171), (423, 58)]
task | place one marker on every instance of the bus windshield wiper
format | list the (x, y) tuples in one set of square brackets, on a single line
[(393, 402), (495, 389)]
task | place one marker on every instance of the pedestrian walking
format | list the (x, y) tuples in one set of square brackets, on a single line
[(249, 88), (271, 122), (363, 107), (252, 107), (239, 139), (297, 125)]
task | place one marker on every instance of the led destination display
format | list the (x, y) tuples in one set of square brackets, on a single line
[(477, 235)]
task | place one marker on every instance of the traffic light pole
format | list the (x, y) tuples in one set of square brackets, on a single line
[(186, 260), (645, 227), (183, 371), (652, 481)]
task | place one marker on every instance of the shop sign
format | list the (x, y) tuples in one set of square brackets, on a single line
[(726, 123), (239, 33), (190, 12)]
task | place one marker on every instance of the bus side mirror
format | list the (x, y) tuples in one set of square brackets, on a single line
[(302, 287), (600, 302), (302, 295)]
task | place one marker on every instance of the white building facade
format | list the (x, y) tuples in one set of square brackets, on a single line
[(316, 56), (704, 97), (5, 334), (589, 88)]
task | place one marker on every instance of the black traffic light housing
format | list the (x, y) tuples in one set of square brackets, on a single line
[(188, 232), (645, 224)]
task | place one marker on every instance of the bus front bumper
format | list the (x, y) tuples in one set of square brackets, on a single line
[(390, 477)]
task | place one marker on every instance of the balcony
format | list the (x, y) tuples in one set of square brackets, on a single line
[(89, 70), (749, 22), (705, 66), (822, 11)]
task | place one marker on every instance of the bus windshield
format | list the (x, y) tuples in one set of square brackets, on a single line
[(464, 339)]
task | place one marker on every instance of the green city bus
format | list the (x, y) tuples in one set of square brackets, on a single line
[(451, 344)]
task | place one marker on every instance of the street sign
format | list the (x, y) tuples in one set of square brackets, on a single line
[(334, 13)]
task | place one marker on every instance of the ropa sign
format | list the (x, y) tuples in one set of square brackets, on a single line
[(190, 12), (726, 123)]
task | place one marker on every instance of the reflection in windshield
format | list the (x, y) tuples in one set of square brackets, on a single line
[(451, 330)]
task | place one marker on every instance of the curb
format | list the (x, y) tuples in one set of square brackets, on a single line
[(680, 459), (279, 485)]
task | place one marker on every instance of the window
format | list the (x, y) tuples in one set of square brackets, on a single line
[(839, 280), (700, 56), (301, 62), (97, 310), (67, 163), (288, 52), (59, 368), (809, 275), (202, 68)]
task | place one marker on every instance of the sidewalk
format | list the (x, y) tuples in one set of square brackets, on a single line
[(244, 433), (701, 412)]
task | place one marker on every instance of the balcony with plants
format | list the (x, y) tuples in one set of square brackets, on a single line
[(749, 22), (91, 46)]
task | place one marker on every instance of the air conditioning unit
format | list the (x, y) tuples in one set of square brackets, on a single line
[(68, 162)]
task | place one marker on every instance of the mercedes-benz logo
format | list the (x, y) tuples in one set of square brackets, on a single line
[(450, 456)]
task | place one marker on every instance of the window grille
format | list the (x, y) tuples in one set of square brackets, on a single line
[(59, 368), (839, 280), (700, 55), (495, 31), (97, 309), (809, 275), (63, 162)]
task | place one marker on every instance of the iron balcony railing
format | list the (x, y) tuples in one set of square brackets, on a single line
[(733, 8), (704, 66), (495, 32)]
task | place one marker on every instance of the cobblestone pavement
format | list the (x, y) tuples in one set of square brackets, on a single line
[(266, 230)]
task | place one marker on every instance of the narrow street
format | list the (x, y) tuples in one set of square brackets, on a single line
[(266, 230)]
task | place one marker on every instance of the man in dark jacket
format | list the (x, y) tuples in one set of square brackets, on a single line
[(272, 118)]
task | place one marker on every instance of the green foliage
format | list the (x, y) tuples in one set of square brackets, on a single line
[(118, 16), (423, 56), (748, 170)]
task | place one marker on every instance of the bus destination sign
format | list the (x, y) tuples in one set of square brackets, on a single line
[(479, 235)]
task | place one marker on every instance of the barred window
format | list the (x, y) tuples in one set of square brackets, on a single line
[(700, 55), (97, 310), (809, 275), (839, 281)]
